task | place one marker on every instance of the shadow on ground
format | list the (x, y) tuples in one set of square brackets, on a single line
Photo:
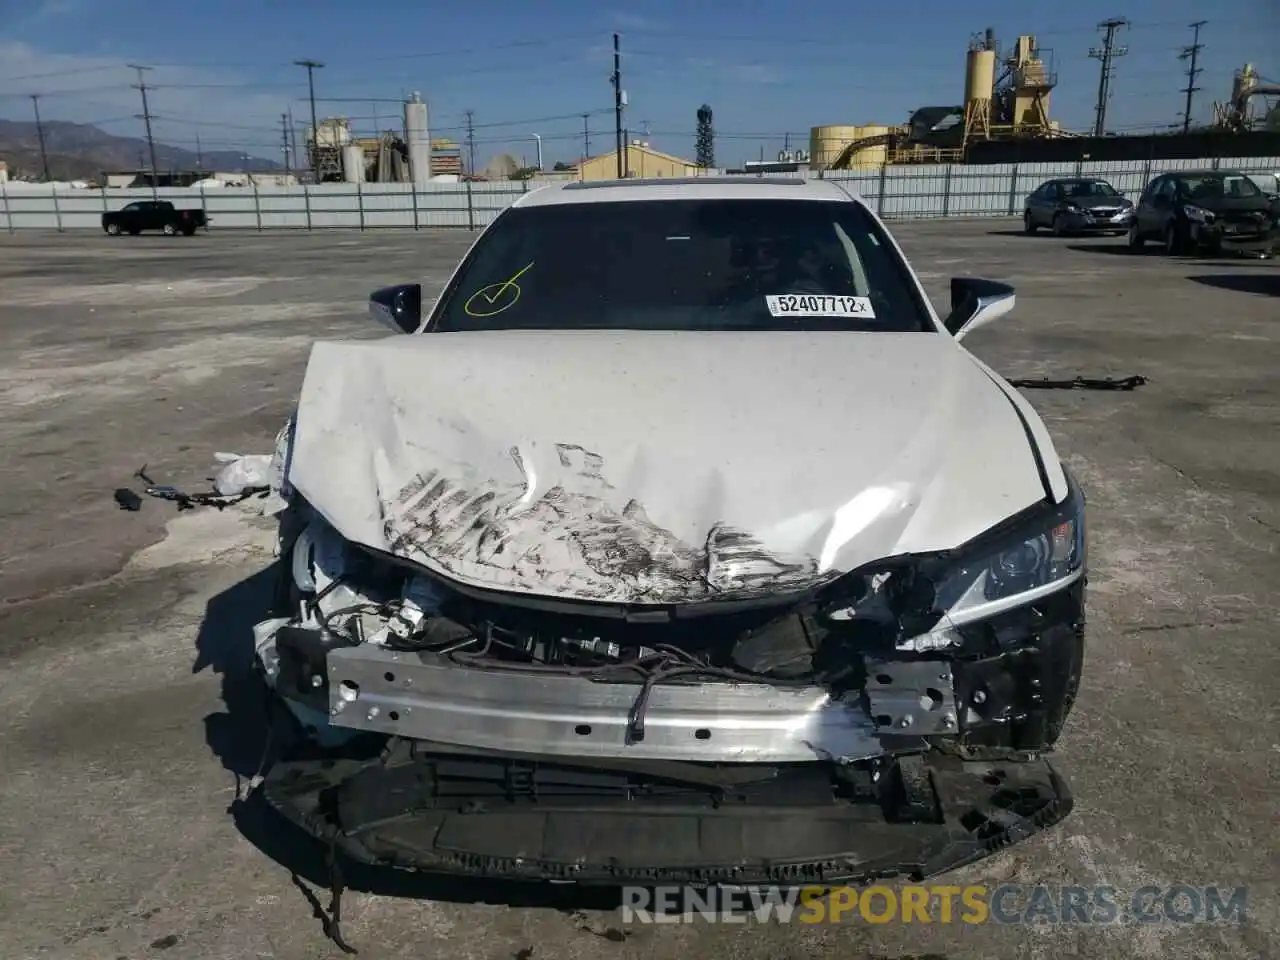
[(1019, 232), (237, 736), (1263, 284), (1113, 248)]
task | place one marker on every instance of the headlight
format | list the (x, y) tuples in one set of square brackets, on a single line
[(1029, 558), (1072, 208), (1198, 214)]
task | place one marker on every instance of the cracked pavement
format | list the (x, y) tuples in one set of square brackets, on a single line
[(123, 635)]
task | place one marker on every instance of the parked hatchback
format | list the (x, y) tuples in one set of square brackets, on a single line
[(1077, 205), (1213, 210)]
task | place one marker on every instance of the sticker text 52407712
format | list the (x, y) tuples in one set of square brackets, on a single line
[(819, 305)]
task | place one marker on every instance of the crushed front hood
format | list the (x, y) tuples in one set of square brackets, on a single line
[(656, 467)]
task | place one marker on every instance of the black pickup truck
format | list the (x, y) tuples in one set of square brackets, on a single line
[(160, 215)]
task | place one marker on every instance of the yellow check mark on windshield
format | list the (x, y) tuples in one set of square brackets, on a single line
[(499, 289), (494, 292)]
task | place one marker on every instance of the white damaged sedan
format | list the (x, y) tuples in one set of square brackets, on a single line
[(679, 540)]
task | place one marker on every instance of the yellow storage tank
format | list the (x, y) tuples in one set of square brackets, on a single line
[(979, 75), (873, 156), (827, 143)]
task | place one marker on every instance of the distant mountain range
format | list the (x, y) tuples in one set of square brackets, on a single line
[(79, 151)]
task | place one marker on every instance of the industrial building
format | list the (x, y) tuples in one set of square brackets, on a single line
[(641, 161), (405, 156), (1005, 97)]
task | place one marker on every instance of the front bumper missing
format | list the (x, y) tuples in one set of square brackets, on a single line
[(426, 697), (1236, 238), (535, 818)]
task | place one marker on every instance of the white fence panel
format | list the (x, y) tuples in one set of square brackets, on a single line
[(896, 192)]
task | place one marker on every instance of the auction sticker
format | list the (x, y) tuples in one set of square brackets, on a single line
[(816, 305)]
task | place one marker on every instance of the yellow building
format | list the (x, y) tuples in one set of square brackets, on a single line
[(642, 161)]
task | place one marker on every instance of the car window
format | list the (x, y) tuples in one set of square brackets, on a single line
[(1167, 188), (1090, 188), (1232, 186), (684, 265), (131, 208)]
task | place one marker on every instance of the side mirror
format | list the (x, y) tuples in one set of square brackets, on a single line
[(398, 307), (975, 303)]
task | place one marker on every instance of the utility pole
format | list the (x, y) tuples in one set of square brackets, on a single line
[(312, 66), (44, 156), (146, 118), (616, 80), (471, 142), (586, 137), (1191, 53), (293, 136), (284, 142), (1106, 53), (199, 154)]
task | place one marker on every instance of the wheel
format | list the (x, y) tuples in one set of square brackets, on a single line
[(113, 229), (170, 230), (1135, 238), (188, 231), (1028, 224)]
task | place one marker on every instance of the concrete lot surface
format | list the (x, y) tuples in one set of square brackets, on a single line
[(123, 635)]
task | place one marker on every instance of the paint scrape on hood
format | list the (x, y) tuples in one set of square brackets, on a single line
[(656, 467)]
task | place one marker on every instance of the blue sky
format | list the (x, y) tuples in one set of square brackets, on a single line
[(223, 72)]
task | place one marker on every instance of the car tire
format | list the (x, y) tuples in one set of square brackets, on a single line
[(170, 230), (113, 229), (1028, 224), (1136, 240)]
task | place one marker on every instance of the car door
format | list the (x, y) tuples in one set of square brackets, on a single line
[(1035, 204), (1146, 216), (130, 215), (154, 212), (1165, 208)]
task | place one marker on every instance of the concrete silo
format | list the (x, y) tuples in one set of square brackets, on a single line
[(417, 139), (979, 86)]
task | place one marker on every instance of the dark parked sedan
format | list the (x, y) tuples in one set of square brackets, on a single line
[(1215, 210), (1077, 205)]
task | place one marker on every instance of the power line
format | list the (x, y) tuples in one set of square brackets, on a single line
[(312, 66), (146, 119), (1106, 53), (1191, 53), (44, 156)]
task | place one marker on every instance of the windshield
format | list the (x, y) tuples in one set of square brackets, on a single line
[(1229, 186), (1089, 188), (684, 265)]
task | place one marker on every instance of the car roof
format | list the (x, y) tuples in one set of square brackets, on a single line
[(1206, 172), (686, 188)]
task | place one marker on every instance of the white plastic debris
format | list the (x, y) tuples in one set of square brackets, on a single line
[(242, 473)]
